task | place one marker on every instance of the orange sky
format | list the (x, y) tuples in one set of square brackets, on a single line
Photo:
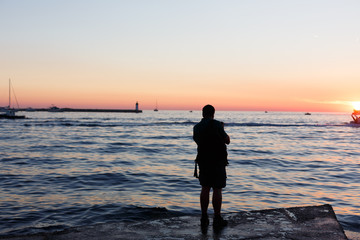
[(238, 55)]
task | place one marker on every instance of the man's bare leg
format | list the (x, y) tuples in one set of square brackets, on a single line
[(204, 200), (204, 203), (217, 201), (219, 222)]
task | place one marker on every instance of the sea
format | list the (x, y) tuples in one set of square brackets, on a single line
[(64, 169)]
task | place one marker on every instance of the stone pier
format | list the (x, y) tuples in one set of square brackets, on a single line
[(297, 223)]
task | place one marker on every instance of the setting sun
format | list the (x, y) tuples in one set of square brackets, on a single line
[(356, 105)]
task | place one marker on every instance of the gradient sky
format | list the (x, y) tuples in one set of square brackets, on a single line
[(275, 55)]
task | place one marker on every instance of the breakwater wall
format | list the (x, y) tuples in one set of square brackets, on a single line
[(82, 110)]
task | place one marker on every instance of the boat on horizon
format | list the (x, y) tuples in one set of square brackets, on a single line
[(54, 108), (10, 113), (156, 107)]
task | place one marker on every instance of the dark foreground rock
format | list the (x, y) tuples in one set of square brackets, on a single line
[(313, 222)]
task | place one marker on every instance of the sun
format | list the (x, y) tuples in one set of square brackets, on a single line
[(356, 105)]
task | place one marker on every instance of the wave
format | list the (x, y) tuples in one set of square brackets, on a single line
[(350, 222), (59, 219), (252, 124), (114, 124), (104, 124)]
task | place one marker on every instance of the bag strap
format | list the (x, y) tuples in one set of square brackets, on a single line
[(195, 170)]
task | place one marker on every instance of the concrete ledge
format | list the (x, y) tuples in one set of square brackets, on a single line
[(313, 222)]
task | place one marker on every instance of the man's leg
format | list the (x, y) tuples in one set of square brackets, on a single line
[(204, 200), (219, 222), (217, 201)]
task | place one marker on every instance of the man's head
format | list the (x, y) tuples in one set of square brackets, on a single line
[(208, 111)]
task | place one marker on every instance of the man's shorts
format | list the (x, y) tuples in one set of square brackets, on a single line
[(214, 177)]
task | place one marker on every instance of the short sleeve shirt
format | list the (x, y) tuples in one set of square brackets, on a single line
[(210, 137)]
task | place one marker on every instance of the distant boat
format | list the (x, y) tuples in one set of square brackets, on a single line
[(356, 117), (54, 108), (307, 113), (9, 113), (156, 107)]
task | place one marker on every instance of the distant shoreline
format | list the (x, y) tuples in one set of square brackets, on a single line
[(79, 110)]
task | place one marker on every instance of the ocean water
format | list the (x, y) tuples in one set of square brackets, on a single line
[(59, 170)]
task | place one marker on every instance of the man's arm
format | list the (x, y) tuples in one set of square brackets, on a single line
[(195, 135), (227, 139)]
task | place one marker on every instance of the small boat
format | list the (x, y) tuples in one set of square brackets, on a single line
[(9, 113), (356, 117), (156, 107), (54, 108), (30, 109)]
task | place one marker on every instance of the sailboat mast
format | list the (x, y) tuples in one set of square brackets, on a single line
[(9, 93)]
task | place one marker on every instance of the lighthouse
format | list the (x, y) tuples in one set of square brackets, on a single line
[(137, 107)]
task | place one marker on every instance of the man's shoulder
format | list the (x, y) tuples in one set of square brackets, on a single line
[(202, 121), (197, 124), (201, 125), (206, 121), (216, 122)]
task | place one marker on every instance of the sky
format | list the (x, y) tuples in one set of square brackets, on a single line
[(242, 55)]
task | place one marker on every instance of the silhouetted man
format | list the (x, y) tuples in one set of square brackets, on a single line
[(211, 139)]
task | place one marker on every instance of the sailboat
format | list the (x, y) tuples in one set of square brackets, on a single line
[(156, 107), (10, 112)]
